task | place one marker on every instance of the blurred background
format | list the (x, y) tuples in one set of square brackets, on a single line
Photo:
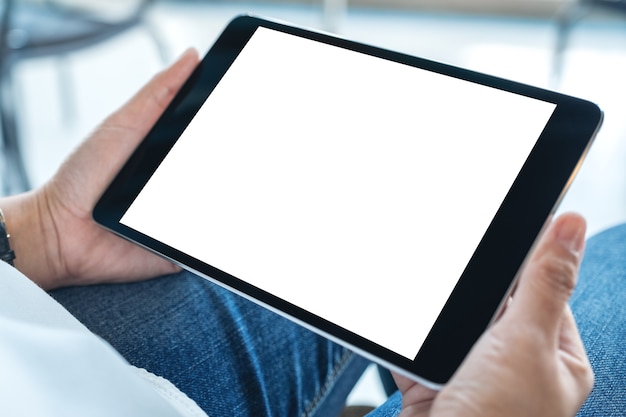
[(65, 65)]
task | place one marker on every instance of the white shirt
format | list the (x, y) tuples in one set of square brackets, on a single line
[(51, 365)]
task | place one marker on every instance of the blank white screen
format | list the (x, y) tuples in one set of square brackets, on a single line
[(351, 186)]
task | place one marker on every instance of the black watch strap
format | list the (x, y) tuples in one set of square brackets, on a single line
[(6, 254)]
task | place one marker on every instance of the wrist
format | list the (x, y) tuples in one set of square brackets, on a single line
[(6, 253), (31, 237)]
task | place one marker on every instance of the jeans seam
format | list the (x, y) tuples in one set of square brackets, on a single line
[(330, 381)]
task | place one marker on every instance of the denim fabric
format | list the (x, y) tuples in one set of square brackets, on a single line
[(231, 356), (237, 359), (599, 305), (390, 408)]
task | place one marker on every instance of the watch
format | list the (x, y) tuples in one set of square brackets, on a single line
[(6, 254)]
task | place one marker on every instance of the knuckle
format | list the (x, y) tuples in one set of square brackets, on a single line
[(560, 272)]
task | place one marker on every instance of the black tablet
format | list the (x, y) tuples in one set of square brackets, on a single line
[(382, 200)]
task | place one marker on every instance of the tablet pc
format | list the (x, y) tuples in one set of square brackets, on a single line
[(382, 200)]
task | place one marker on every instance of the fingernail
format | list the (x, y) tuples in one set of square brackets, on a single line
[(571, 233), (188, 51)]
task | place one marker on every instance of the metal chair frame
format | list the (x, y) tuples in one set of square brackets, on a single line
[(74, 30)]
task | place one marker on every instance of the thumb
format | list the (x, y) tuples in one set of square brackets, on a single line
[(550, 276)]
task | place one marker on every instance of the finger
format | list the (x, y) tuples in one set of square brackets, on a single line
[(142, 111), (96, 161), (402, 382), (550, 276)]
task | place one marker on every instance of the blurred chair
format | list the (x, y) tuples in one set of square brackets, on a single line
[(45, 28), (573, 13)]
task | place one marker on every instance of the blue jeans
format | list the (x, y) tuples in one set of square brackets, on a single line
[(235, 358), (599, 305), (231, 356)]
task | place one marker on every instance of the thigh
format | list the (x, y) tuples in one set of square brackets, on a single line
[(228, 354), (599, 305)]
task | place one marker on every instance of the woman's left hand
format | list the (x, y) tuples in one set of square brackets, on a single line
[(55, 239)]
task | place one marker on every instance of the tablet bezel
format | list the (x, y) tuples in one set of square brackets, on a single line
[(493, 268)]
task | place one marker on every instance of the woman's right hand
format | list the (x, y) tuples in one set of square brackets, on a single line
[(531, 362)]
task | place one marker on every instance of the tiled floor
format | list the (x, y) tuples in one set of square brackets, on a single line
[(515, 48)]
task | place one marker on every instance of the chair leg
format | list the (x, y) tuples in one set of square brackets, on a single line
[(66, 88), (15, 177), (386, 379), (157, 39), (566, 20), (333, 12)]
